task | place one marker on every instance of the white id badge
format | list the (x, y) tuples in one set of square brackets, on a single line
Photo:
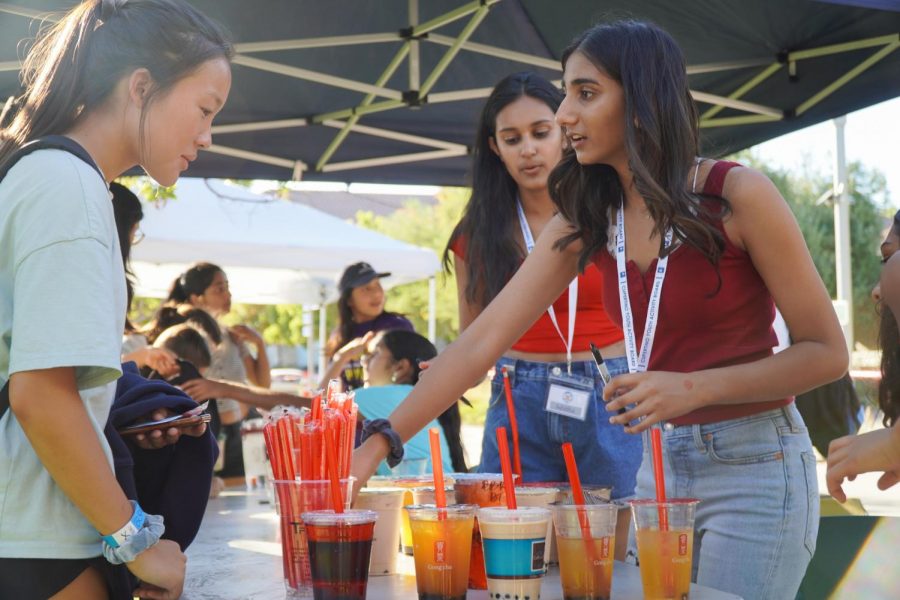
[(569, 395)]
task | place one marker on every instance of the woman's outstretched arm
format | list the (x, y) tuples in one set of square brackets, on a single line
[(535, 286)]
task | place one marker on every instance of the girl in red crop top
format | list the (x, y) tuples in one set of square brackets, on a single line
[(517, 146), (731, 437)]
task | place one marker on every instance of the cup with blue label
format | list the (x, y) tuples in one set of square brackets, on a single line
[(514, 541)]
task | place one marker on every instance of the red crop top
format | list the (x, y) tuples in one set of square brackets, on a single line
[(591, 321), (699, 328)]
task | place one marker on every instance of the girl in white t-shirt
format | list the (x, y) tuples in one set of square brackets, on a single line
[(126, 83)]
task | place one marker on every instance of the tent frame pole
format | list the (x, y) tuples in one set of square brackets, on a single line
[(392, 160), (320, 42), (315, 76), (738, 93)]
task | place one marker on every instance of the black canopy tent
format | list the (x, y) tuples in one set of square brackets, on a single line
[(389, 90)]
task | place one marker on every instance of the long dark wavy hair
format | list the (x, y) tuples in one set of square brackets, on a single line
[(415, 348), (489, 223), (343, 333), (128, 213), (76, 63), (661, 141), (889, 387)]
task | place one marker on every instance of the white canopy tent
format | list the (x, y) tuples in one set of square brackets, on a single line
[(274, 251)]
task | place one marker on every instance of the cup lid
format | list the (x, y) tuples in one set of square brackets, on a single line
[(349, 517)]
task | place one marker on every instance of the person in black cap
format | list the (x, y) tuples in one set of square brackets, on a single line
[(361, 315)]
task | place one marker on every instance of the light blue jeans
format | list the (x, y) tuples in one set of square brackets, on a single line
[(606, 455), (755, 477)]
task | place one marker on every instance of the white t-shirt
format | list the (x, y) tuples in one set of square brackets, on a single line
[(62, 304)]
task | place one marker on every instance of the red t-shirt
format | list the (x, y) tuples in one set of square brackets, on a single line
[(592, 324), (699, 328)]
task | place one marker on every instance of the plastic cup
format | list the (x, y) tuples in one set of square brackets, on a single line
[(481, 489), (408, 483), (665, 556), (514, 543), (442, 543), (543, 497), (340, 545), (292, 499), (256, 461), (410, 467), (425, 495), (388, 503), (585, 566)]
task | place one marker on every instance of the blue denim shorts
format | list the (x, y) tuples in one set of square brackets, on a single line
[(756, 524), (606, 455)]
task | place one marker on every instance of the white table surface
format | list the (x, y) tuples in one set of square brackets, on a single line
[(237, 555)]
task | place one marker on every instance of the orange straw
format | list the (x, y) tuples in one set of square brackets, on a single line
[(507, 469), (578, 498), (331, 465), (513, 425), (660, 477), (437, 470)]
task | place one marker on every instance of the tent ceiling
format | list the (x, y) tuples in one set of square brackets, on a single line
[(342, 89)]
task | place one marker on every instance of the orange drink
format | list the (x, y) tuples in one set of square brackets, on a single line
[(665, 558), (586, 539), (442, 541), (481, 489), (665, 553)]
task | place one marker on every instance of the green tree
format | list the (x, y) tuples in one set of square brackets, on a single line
[(429, 227), (869, 210)]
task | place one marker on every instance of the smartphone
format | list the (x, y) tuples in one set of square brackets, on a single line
[(177, 421)]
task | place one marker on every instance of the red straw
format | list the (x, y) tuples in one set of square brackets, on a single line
[(513, 425), (336, 497), (507, 470), (660, 477), (437, 469), (578, 498)]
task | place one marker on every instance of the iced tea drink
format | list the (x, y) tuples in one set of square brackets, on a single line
[(340, 545), (665, 543), (442, 542), (481, 489), (586, 561)]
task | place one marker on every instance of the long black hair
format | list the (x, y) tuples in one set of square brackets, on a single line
[(128, 212), (415, 348), (193, 281), (77, 62), (661, 140), (889, 386), (488, 224), (343, 333)]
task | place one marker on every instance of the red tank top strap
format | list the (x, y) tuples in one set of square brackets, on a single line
[(715, 180)]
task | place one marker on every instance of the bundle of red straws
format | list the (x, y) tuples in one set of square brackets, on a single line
[(302, 445)]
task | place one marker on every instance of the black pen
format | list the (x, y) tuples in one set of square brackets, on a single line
[(601, 366)]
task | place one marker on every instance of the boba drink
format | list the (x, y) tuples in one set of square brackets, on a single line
[(442, 541), (514, 541), (340, 545)]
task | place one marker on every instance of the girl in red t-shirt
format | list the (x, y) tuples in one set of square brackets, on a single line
[(517, 145)]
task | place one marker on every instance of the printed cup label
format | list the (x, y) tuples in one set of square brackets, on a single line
[(519, 559), (440, 547), (682, 544), (604, 548)]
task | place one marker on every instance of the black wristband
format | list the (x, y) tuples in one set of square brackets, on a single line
[(383, 426)]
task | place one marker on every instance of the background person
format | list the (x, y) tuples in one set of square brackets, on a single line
[(360, 311)]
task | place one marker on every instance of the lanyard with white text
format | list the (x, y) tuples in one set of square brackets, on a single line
[(638, 358), (573, 291)]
